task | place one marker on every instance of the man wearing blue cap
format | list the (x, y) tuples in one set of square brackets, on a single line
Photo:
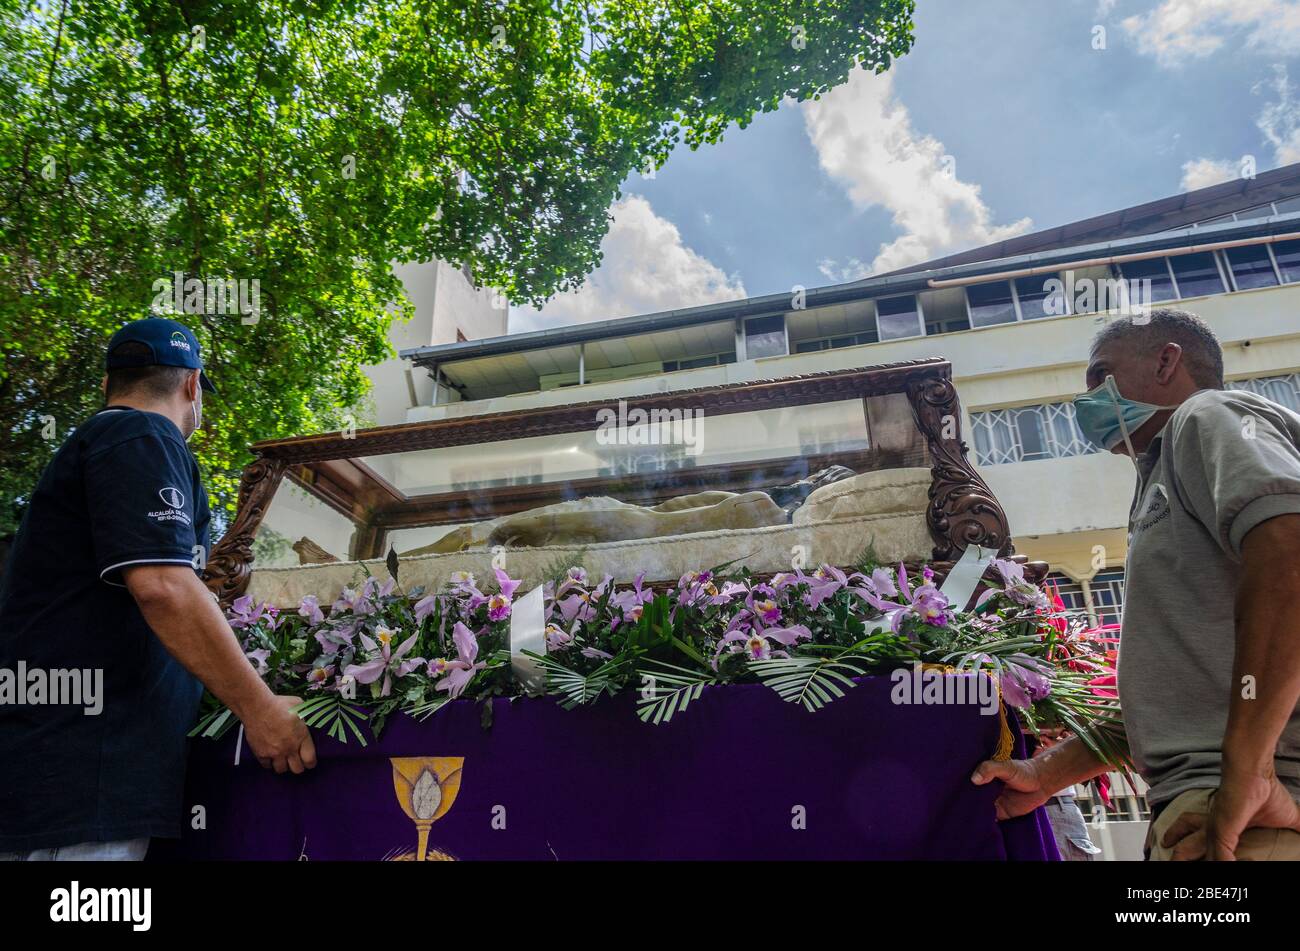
[(106, 629)]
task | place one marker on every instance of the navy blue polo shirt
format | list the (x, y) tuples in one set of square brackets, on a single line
[(123, 490)]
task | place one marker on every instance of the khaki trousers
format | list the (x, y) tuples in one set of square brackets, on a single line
[(1255, 845)]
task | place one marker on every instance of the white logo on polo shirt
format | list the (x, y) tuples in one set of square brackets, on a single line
[(175, 502)]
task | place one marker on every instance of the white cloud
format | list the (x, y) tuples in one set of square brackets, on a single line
[(1279, 124), (1204, 172), (1279, 121), (865, 140), (645, 268), (1181, 30), (1104, 7), (851, 270)]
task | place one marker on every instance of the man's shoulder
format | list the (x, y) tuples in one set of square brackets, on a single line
[(115, 426), (1208, 409)]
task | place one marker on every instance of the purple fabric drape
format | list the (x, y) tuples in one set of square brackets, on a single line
[(739, 775)]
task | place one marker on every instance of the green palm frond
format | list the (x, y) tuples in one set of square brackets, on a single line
[(427, 708), (811, 681), (215, 724), (332, 713), (670, 689), (572, 688)]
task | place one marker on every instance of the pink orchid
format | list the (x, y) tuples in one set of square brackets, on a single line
[(309, 608), (458, 672), (388, 663)]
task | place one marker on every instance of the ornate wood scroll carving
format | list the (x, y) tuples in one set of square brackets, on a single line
[(963, 510), (230, 565)]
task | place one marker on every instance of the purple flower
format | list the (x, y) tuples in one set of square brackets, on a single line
[(577, 607), (319, 676), (388, 663), (498, 607), (506, 584), (766, 610), (557, 639), (1017, 588), (459, 672), (309, 608), (931, 605), (755, 640), (883, 583), (258, 657), (1023, 681), (425, 606), (630, 603), (334, 639), (243, 614), (926, 603)]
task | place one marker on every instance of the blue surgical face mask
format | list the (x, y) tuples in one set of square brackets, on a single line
[(1108, 419)]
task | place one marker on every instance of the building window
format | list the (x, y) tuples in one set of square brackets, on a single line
[(1155, 270), (836, 343), (694, 363), (1036, 299), (765, 337), (1197, 275), (1106, 591), (990, 304), (1251, 267), (1284, 390), (898, 317), (1287, 254), (1069, 591), (1026, 433)]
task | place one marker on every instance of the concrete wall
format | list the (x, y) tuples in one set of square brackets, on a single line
[(445, 301)]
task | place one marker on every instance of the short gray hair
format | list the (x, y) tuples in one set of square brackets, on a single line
[(1202, 354)]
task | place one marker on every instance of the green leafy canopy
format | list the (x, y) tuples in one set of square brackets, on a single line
[(311, 144)]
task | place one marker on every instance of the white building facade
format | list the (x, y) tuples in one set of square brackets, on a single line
[(1015, 322)]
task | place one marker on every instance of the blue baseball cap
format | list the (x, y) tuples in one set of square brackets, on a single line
[(170, 343)]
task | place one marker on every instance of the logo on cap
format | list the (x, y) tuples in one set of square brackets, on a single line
[(172, 497), (178, 340)]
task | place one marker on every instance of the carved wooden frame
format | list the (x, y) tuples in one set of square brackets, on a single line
[(962, 509)]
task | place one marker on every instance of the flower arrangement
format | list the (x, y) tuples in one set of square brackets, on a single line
[(378, 649)]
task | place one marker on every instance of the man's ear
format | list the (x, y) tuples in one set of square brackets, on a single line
[(1171, 355), (192, 386), (103, 386)]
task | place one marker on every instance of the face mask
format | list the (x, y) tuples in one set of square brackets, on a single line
[(198, 417), (1107, 418)]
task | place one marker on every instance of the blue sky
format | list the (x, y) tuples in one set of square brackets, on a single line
[(1004, 118)]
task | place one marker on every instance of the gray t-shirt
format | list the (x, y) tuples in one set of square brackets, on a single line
[(1226, 461)]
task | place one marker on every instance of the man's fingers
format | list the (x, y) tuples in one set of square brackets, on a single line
[(265, 761), (993, 769), (1191, 848), (295, 764), (1183, 826), (281, 765), (307, 753)]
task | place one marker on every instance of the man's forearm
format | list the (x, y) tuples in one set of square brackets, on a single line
[(1067, 763), (1266, 661), (180, 610)]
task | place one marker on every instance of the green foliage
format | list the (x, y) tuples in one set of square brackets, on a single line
[(309, 145)]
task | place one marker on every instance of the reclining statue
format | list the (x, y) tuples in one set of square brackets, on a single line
[(603, 519)]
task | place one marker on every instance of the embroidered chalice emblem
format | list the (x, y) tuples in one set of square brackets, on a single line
[(426, 787)]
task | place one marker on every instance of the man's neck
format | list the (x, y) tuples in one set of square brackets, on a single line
[(146, 405)]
